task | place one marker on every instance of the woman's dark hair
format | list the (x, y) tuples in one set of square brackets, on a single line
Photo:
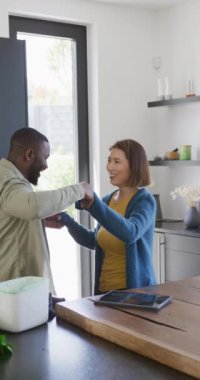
[(138, 162)]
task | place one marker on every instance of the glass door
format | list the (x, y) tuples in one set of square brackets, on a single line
[(53, 109)]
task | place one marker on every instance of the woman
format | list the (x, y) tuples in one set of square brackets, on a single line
[(123, 237)]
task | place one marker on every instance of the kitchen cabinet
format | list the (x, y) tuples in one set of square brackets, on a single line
[(176, 256), (182, 257)]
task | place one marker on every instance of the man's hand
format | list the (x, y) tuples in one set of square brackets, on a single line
[(53, 221), (89, 195)]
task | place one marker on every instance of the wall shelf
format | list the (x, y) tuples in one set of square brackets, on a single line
[(175, 163), (174, 102)]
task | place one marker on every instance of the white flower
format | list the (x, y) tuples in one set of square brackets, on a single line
[(190, 193)]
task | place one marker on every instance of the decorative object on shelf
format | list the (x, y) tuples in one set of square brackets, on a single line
[(185, 152), (160, 89), (192, 217), (156, 64), (167, 94), (164, 92), (157, 158), (190, 88), (172, 155), (197, 87)]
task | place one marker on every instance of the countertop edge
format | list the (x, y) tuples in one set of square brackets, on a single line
[(176, 228)]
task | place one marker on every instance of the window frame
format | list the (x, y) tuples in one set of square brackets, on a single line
[(79, 34)]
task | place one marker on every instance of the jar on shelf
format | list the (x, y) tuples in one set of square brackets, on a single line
[(185, 152)]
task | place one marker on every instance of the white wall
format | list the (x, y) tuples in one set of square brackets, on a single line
[(179, 36), (121, 45)]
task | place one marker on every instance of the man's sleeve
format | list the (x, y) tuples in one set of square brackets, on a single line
[(20, 201)]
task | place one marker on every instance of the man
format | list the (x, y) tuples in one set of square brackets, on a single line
[(23, 244)]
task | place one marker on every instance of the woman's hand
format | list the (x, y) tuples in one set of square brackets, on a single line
[(53, 221), (87, 202)]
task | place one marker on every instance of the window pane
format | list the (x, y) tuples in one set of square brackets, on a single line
[(51, 64)]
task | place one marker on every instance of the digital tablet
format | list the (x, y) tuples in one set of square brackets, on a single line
[(136, 300)]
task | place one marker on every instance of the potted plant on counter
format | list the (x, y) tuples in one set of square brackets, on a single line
[(191, 194)]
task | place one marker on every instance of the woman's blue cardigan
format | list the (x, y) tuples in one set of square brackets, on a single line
[(136, 229)]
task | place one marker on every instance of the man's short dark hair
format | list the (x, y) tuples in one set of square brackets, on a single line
[(27, 137)]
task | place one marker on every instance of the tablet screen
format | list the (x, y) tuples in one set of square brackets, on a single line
[(138, 300), (130, 298)]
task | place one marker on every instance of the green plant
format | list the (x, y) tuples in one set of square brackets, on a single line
[(5, 348)]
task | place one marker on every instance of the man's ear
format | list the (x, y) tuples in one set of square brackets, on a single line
[(29, 154)]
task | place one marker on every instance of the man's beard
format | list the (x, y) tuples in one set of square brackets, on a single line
[(33, 176)]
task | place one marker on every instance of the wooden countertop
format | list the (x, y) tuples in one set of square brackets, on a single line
[(170, 336)]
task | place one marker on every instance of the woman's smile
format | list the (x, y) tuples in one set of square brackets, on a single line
[(118, 168)]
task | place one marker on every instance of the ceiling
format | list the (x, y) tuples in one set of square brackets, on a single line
[(144, 4)]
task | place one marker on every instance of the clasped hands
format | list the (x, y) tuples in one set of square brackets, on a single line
[(54, 221)]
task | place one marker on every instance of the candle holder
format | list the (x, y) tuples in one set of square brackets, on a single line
[(167, 97)]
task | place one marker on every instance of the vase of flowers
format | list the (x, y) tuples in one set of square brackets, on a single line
[(192, 198), (192, 217)]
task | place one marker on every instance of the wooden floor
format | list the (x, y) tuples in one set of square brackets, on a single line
[(170, 336)]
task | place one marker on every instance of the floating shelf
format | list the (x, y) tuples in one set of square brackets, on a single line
[(175, 163), (174, 102)]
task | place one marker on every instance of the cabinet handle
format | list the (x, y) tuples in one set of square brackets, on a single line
[(161, 242)]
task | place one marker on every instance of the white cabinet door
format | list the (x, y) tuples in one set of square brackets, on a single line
[(182, 257)]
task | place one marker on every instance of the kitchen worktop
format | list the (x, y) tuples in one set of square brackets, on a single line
[(59, 351), (176, 228), (170, 336)]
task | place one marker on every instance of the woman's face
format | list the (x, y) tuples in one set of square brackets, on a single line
[(118, 168)]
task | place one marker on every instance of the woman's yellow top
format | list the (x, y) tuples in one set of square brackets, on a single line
[(113, 273)]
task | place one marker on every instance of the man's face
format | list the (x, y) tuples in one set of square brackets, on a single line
[(39, 162)]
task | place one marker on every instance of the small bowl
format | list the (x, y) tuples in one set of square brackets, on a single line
[(172, 155)]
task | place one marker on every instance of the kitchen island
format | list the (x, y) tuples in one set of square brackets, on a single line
[(170, 336), (60, 351)]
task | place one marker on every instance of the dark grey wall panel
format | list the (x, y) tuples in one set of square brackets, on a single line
[(13, 91)]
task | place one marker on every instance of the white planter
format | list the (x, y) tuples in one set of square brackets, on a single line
[(24, 303)]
